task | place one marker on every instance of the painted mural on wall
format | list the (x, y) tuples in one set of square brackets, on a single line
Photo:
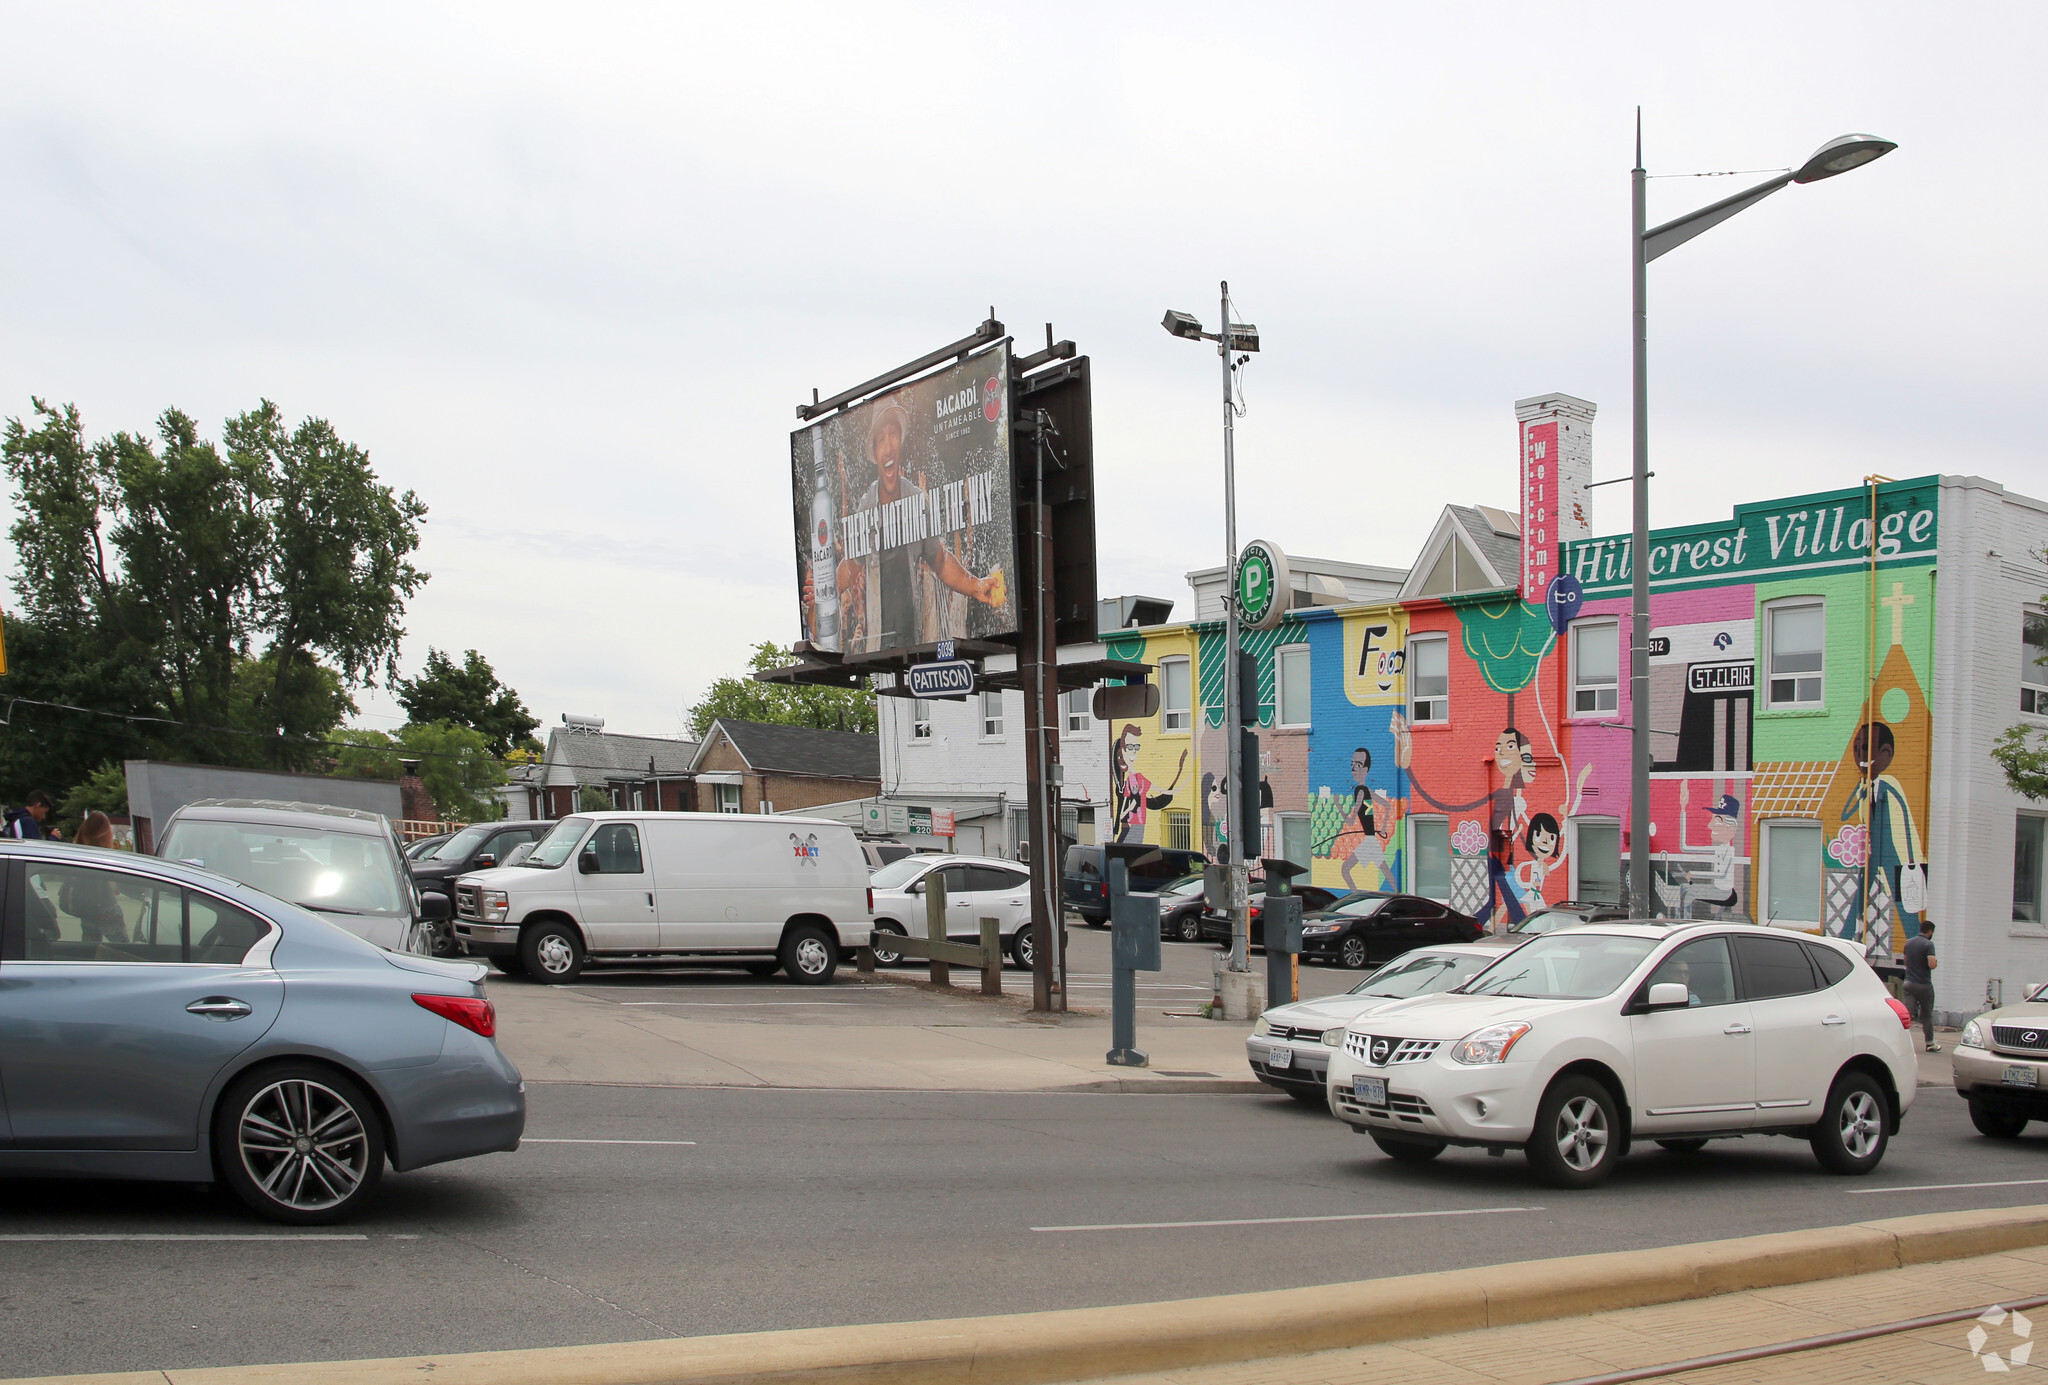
[(1151, 768)]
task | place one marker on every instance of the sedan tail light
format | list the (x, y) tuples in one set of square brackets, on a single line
[(1899, 1009), (473, 1013)]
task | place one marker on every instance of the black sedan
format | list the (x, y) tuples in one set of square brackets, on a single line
[(1365, 930), (1180, 909), (1214, 925)]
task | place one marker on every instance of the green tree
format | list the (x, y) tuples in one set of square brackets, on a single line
[(469, 695), (593, 800), (105, 789), (2024, 758), (456, 768), (744, 699)]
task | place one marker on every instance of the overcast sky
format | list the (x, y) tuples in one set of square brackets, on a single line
[(565, 270)]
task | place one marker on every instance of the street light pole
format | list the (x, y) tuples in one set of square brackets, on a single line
[(1836, 156), (1233, 694)]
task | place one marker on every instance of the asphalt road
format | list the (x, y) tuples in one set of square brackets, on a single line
[(806, 1208), (1186, 972)]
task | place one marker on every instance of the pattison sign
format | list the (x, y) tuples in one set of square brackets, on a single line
[(1830, 532)]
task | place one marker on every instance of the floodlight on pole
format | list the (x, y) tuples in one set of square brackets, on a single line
[(1183, 325), (1838, 155)]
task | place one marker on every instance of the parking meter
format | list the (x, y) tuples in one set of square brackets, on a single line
[(1280, 922), (1133, 947)]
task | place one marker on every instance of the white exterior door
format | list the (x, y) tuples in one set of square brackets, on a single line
[(1803, 1033), (617, 898), (1696, 1067)]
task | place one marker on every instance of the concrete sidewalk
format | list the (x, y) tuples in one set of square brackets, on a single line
[(702, 1029), (1568, 1349)]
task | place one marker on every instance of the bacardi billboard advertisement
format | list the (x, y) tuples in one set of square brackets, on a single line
[(904, 529)]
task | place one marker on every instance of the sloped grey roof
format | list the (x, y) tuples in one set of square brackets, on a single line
[(575, 758), (803, 749), (1502, 553)]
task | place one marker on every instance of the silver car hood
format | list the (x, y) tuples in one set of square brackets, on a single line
[(1449, 1016), (1328, 1011)]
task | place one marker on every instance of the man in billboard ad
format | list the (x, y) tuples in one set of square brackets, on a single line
[(903, 520)]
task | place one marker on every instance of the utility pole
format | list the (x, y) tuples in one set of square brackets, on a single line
[(1233, 695), (1642, 891)]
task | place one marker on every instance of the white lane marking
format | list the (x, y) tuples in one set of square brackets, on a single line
[(1943, 1187), (209, 1236), (737, 1004), (1279, 1221), (691, 1143)]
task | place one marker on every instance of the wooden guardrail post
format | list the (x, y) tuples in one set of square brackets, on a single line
[(991, 957), (935, 923)]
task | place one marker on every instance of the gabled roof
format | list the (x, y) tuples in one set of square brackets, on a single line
[(772, 749), (577, 757), (1478, 547)]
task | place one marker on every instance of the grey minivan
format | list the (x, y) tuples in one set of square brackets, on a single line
[(341, 863)]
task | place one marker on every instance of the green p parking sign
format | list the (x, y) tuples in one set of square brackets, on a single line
[(1262, 584)]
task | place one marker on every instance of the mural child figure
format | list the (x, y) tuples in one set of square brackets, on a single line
[(1715, 885), (1507, 809), (1369, 824), (1894, 840), (1135, 797), (1543, 839)]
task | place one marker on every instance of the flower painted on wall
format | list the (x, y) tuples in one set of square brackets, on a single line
[(1851, 846), (1469, 839)]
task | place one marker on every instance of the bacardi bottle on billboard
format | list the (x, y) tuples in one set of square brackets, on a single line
[(824, 562)]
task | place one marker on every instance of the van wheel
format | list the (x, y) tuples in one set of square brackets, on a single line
[(1851, 1136), (1021, 948), (551, 953), (886, 955), (809, 955), (509, 966), (1577, 1136)]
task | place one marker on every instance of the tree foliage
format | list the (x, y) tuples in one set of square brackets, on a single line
[(2024, 758), (223, 597), (456, 767), (743, 699), (469, 695)]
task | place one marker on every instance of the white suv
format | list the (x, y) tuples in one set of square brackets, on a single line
[(1583, 1040), (977, 887)]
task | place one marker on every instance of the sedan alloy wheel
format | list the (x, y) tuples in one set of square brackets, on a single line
[(299, 1143)]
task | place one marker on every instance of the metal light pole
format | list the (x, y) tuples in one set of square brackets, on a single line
[(1836, 156), (1232, 336)]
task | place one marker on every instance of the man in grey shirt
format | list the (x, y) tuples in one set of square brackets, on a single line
[(1919, 987)]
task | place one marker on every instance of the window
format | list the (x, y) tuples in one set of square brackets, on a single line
[(996, 879), (1429, 679), (728, 797), (991, 715), (1772, 967), (1290, 666), (1792, 872), (1294, 838), (1596, 666), (1075, 706), (2033, 669), (1180, 830), (921, 720), (1797, 641), (1833, 966), (1703, 969), (82, 914), (1431, 838), (1599, 862), (2030, 835), (617, 848), (1175, 707), (311, 866)]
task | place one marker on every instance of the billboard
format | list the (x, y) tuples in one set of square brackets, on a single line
[(905, 533)]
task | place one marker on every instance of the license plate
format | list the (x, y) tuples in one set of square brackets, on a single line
[(2022, 1077), (1279, 1057), (1370, 1090)]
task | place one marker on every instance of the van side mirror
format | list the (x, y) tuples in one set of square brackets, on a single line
[(1669, 995), (433, 907), (586, 860)]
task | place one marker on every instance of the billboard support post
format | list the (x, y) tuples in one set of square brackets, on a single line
[(1041, 691)]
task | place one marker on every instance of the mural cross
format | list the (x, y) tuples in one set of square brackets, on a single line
[(1897, 603)]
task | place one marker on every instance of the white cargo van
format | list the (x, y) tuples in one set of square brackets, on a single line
[(763, 891)]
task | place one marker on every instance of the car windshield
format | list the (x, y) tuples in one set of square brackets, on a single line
[(1423, 973), (1543, 920), (1563, 966), (897, 874), (333, 872), (556, 846), (1182, 888), (459, 845), (1362, 907)]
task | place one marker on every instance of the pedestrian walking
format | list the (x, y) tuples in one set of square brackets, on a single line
[(26, 822), (1919, 988)]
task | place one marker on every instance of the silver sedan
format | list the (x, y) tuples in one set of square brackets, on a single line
[(159, 1021)]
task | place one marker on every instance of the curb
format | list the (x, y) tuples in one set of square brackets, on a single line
[(1087, 1343), (1125, 1086)]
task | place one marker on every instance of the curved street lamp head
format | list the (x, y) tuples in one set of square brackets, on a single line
[(1842, 154)]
